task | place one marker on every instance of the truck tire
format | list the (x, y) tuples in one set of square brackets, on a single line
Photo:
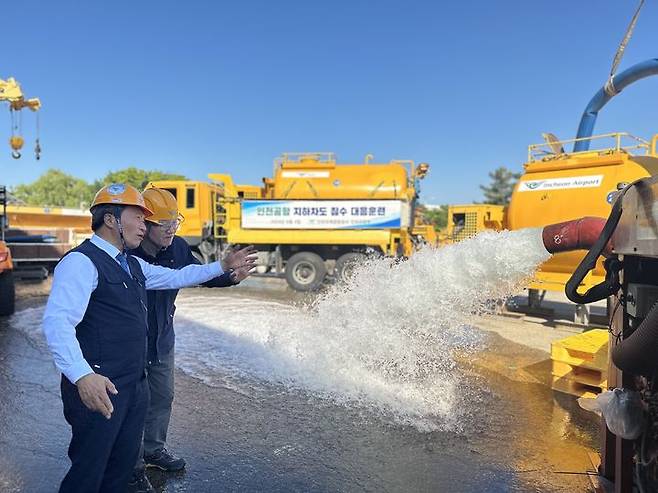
[(345, 265), (305, 271), (7, 293)]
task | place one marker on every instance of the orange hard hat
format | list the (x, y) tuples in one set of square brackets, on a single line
[(121, 194), (163, 204)]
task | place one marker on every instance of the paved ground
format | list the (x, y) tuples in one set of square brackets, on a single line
[(519, 435)]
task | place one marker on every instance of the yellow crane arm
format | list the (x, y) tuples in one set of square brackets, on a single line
[(10, 91)]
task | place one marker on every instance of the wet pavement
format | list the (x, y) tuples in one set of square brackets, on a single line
[(519, 435)]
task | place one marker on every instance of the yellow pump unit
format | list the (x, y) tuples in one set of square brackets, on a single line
[(559, 186)]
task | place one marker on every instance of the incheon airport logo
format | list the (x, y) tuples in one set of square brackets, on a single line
[(533, 185), (561, 183)]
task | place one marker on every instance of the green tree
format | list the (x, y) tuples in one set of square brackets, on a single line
[(55, 188), (136, 177), (499, 191), (437, 216)]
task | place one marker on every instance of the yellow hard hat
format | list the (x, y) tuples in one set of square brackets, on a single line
[(163, 204), (121, 194)]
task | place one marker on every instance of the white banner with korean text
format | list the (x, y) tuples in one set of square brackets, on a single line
[(323, 214)]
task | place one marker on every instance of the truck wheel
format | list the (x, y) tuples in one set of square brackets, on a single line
[(345, 265), (305, 271), (7, 293)]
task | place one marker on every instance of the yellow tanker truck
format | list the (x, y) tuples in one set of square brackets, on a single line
[(314, 217)]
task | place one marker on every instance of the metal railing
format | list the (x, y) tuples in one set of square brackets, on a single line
[(320, 157), (606, 144), (330, 157)]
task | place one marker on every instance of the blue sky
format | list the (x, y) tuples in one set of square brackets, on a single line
[(216, 86)]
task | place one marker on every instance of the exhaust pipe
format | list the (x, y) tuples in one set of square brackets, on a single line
[(579, 234)]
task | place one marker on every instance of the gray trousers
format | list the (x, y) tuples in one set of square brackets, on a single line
[(160, 377)]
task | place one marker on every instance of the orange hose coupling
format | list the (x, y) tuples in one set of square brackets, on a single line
[(579, 234)]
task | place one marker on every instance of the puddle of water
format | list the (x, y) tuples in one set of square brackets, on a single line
[(396, 343), (544, 435)]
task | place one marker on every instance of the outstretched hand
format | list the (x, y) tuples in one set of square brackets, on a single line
[(241, 274), (240, 259)]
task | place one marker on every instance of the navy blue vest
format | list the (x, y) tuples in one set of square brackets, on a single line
[(161, 303), (112, 333)]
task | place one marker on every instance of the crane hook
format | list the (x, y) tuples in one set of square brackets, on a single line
[(16, 143)]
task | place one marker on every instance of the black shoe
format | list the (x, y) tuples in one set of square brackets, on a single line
[(165, 460), (140, 483)]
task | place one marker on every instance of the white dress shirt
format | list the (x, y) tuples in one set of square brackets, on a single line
[(76, 277)]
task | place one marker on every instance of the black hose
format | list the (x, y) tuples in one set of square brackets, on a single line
[(604, 289), (638, 353), (607, 287)]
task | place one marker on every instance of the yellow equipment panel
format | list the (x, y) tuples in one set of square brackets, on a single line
[(468, 220)]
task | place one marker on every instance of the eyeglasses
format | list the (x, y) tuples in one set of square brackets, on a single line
[(171, 225)]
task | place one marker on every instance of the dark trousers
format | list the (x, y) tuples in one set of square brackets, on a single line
[(103, 451), (160, 378)]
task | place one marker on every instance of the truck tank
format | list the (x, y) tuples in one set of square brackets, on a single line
[(559, 186), (317, 176)]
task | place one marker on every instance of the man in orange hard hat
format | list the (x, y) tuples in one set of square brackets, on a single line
[(95, 324), (161, 246)]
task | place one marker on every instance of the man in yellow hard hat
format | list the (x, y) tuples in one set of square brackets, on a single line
[(95, 324), (161, 246)]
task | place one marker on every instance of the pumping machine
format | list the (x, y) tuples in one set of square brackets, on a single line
[(629, 241)]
